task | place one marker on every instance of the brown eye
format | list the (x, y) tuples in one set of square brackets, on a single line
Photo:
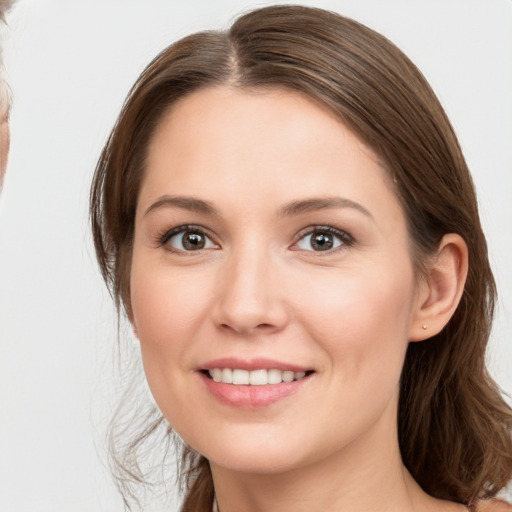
[(189, 240), (323, 239), (193, 241)]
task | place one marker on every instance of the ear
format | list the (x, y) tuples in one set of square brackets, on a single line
[(440, 291)]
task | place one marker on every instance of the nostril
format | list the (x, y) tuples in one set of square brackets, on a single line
[(248, 329), (265, 326)]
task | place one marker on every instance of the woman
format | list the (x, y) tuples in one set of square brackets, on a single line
[(284, 213)]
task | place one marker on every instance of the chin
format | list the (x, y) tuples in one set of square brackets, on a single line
[(250, 453), (262, 462)]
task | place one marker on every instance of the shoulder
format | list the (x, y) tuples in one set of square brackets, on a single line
[(493, 505)]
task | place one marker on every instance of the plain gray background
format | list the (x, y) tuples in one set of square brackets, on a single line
[(70, 64)]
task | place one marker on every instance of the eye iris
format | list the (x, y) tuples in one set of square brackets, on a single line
[(193, 241), (322, 241)]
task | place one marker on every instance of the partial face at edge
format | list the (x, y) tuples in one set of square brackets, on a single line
[(4, 129), (267, 237)]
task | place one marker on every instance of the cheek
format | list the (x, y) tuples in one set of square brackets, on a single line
[(165, 303), (360, 321), (165, 312), (169, 308), (361, 317)]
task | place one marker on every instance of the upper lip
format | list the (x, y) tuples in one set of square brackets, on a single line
[(259, 363)]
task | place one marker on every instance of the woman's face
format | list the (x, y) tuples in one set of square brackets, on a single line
[(270, 246)]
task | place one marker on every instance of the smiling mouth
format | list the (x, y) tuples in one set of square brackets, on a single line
[(261, 377)]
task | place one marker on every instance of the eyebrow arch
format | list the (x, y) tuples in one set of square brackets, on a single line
[(186, 203), (291, 209), (320, 203)]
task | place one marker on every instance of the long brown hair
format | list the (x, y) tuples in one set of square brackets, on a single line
[(454, 426)]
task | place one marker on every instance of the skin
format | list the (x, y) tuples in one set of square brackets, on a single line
[(258, 289), (4, 129)]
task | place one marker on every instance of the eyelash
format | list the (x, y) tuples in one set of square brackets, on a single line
[(345, 238)]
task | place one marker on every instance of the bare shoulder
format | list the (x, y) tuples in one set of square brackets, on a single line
[(493, 505)]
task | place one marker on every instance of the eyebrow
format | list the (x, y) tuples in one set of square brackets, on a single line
[(320, 203), (294, 208), (184, 202)]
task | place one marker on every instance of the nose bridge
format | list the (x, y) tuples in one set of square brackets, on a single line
[(249, 289)]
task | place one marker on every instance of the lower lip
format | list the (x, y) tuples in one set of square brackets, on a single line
[(252, 397)]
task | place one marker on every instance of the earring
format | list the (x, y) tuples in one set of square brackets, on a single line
[(424, 327)]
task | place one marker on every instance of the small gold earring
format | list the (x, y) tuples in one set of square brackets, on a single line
[(424, 327)]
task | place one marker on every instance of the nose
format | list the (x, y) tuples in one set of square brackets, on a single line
[(250, 299)]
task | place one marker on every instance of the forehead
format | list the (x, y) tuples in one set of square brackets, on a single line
[(254, 125), (268, 142)]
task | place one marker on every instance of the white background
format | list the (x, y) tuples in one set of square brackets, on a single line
[(70, 64)]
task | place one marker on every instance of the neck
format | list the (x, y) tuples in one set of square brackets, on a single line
[(327, 487), (368, 475)]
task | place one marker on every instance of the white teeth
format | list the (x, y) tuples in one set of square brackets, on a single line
[(274, 376), (240, 377), (287, 376), (227, 375), (258, 378), (254, 377)]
